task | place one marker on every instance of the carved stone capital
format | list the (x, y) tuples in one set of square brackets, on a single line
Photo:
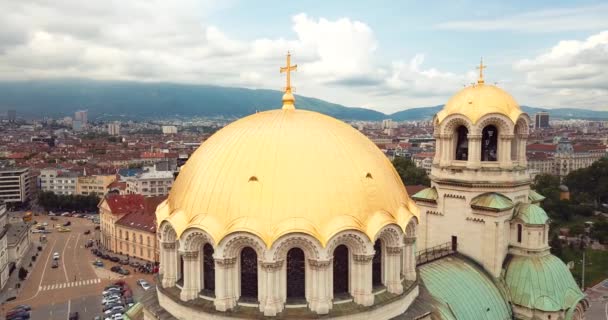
[(190, 255), (409, 240), (507, 137), (393, 250), (474, 137), (319, 264), (363, 258), (227, 262), (168, 245), (271, 265)]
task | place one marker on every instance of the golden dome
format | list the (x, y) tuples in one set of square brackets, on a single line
[(284, 171), (478, 100)]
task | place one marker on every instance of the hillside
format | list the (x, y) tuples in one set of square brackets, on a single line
[(129, 100)]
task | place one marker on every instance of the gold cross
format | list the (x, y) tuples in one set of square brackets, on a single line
[(287, 69), (481, 67)]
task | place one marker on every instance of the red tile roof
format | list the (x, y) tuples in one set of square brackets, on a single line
[(125, 204), (541, 147), (413, 189), (144, 220)]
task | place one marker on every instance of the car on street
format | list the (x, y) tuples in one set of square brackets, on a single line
[(56, 256), (124, 272), (98, 263), (144, 284), (25, 307), (45, 224), (74, 316), (54, 218), (18, 314), (64, 229), (87, 232), (65, 214), (54, 264), (52, 214)]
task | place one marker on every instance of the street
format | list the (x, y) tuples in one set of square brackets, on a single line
[(75, 285)]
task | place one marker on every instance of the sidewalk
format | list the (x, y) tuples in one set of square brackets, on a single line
[(10, 289)]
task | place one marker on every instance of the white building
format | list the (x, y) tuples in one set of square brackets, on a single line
[(18, 242), (3, 246), (58, 181), (150, 182), (114, 128), (169, 129), (15, 185)]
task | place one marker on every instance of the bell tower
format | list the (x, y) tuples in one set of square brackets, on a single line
[(478, 175)]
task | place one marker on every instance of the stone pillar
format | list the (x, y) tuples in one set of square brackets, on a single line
[(409, 259), (224, 287), (320, 301), (438, 149), (521, 152), (270, 300), (393, 266), (168, 254), (362, 279), (445, 150), (474, 159), (192, 284), (504, 151)]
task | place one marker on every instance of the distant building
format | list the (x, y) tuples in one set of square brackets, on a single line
[(16, 185), (58, 181), (128, 225), (4, 274), (388, 124), (97, 184), (81, 116), (541, 120), (18, 242), (150, 182), (562, 158), (169, 129), (77, 125), (12, 116), (114, 128)]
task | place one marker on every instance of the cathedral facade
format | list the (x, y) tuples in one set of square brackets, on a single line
[(295, 215)]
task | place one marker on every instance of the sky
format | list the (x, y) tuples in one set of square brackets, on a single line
[(383, 55)]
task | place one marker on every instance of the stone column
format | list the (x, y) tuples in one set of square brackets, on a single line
[(393, 266), (362, 279), (521, 152), (191, 276), (320, 301), (474, 159), (438, 149), (409, 259), (168, 256), (270, 300), (504, 151), (445, 150), (224, 287)]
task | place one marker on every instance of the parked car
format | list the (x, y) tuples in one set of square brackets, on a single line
[(74, 316), (98, 263), (54, 218), (111, 305), (124, 272), (25, 307), (124, 262), (52, 214), (144, 284), (87, 232), (114, 259), (110, 300), (114, 268), (134, 264), (67, 223)]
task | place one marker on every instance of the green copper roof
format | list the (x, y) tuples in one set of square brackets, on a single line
[(542, 283), (492, 201), (535, 197), (428, 194), (531, 214), (463, 290)]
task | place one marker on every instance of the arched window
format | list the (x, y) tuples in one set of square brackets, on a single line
[(208, 268), (519, 233), (341, 270), (489, 143), (462, 143), (377, 264), (249, 274), (296, 274)]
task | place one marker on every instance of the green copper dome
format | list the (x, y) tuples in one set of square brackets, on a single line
[(531, 214), (542, 283)]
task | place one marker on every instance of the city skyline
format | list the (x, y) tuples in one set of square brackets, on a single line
[(545, 54)]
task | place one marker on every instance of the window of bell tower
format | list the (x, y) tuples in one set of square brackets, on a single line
[(489, 143), (462, 143)]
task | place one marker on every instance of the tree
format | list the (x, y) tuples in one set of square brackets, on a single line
[(592, 180), (556, 246), (409, 173), (22, 273)]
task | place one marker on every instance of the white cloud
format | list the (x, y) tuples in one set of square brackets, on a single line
[(546, 20), (572, 73)]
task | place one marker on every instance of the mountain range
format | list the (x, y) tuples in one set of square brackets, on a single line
[(141, 100)]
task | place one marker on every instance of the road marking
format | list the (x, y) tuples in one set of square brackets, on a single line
[(63, 257), (70, 284), (69, 306)]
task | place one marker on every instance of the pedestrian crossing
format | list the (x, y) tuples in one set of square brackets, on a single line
[(69, 284)]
